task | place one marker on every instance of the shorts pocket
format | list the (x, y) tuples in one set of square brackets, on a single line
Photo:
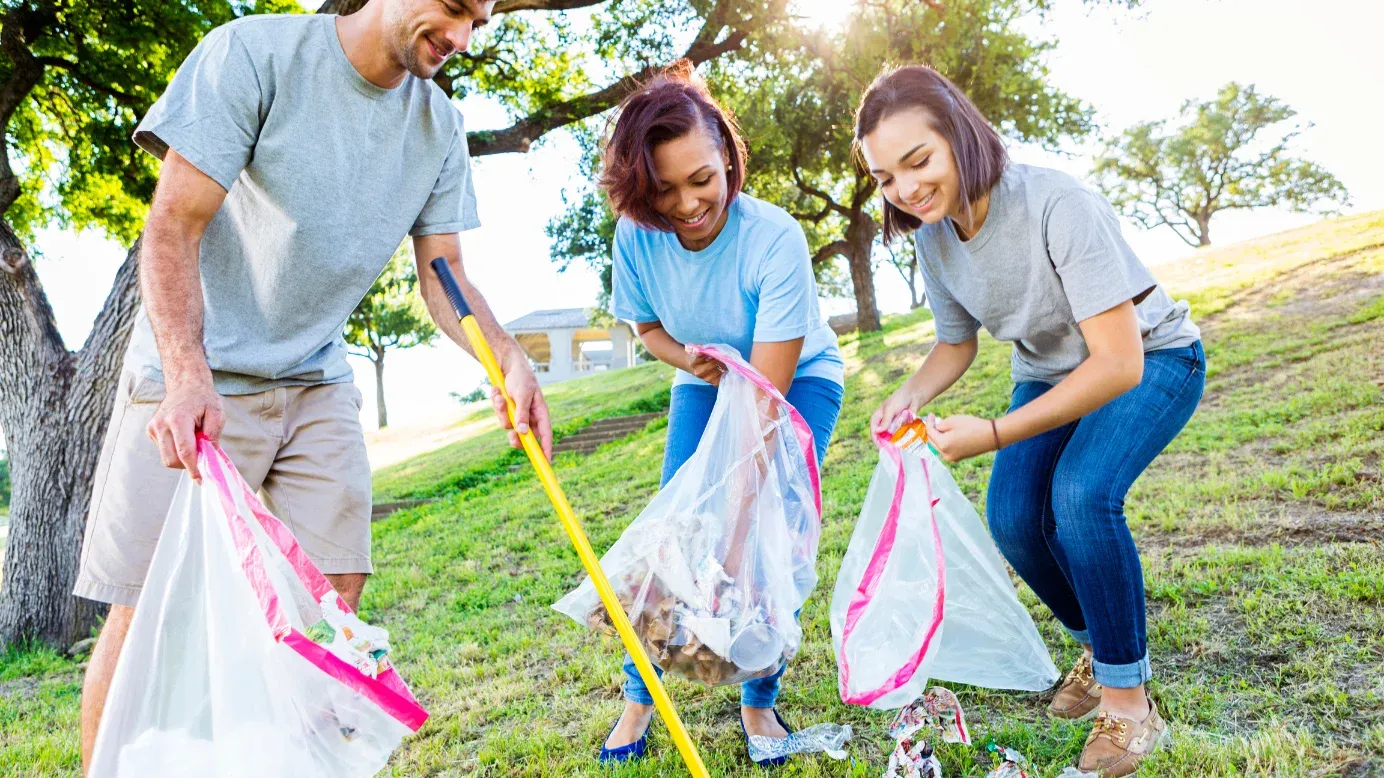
[(146, 390)]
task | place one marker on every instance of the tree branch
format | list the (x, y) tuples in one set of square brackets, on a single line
[(72, 69), (815, 218), (836, 248), (26, 73), (815, 192), (520, 136), (510, 6)]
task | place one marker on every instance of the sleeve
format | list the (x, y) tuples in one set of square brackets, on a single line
[(451, 207), (627, 298), (787, 290), (1097, 267), (210, 113), (952, 322)]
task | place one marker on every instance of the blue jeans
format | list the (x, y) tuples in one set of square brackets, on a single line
[(819, 401), (1056, 508)]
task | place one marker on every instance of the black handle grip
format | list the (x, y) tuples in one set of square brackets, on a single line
[(449, 285)]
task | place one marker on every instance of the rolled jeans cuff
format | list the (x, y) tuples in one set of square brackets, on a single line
[(1125, 676)]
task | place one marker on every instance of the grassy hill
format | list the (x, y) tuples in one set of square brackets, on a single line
[(1260, 530)]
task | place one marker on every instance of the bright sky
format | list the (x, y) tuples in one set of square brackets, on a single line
[(1131, 66)]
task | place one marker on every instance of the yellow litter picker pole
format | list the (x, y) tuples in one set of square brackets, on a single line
[(589, 560)]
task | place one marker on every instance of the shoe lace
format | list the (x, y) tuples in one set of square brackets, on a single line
[(1111, 726), (1081, 673)]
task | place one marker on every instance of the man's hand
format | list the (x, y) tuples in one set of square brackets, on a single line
[(186, 410), (530, 408)]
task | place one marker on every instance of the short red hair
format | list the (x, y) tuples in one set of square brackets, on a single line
[(668, 107)]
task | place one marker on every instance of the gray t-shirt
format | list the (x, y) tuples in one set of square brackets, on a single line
[(1049, 255), (325, 174)]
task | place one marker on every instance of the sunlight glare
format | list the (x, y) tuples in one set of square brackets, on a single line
[(822, 13)]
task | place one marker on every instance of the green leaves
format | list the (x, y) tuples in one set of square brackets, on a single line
[(103, 64), (1216, 160)]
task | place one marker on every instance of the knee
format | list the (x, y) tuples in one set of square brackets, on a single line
[(1014, 524), (114, 628), (1083, 501), (349, 586)]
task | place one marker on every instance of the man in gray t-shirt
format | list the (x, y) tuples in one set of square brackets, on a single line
[(298, 152)]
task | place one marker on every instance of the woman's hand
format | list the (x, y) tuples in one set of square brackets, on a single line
[(960, 437), (706, 368), (903, 399)]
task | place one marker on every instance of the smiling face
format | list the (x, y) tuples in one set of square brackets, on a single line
[(692, 191), (426, 33), (914, 166)]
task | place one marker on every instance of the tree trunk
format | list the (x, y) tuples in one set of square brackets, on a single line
[(1204, 230), (379, 388), (54, 407), (860, 237), (913, 302)]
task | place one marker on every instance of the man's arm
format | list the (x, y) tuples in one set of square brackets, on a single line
[(184, 203), (530, 409)]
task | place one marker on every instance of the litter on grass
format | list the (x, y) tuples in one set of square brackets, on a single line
[(829, 739)]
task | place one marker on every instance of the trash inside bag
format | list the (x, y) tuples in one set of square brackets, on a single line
[(713, 571), (924, 594), (241, 660), (829, 739)]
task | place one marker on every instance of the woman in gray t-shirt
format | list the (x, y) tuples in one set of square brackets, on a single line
[(1107, 369)]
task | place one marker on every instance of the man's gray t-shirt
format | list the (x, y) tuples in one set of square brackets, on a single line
[(325, 174), (1048, 256)]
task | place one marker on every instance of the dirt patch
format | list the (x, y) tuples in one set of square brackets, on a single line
[(1325, 288), (1287, 524)]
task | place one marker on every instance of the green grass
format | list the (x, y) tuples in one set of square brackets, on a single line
[(486, 454), (1260, 530)]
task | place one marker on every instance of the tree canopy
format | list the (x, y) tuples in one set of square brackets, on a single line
[(1216, 159)]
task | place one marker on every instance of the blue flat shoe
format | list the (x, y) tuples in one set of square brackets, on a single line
[(777, 761), (628, 753)]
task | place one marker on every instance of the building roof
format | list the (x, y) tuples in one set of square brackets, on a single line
[(555, 318)]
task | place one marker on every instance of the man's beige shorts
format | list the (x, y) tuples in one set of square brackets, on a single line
[(302, 447)]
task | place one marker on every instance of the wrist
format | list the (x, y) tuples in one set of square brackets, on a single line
[(179, 374), (1000, 433)]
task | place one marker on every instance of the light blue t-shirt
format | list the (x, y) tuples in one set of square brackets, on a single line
[(753, 284)]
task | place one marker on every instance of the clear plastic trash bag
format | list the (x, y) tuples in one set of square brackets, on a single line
[(924, 594), (713, 571), (241, 660)]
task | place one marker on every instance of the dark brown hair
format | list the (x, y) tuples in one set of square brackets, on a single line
[(671, 105), (979, 152)]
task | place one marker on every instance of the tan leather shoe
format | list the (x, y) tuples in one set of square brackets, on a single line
[(1079, 696), (1117, 745)]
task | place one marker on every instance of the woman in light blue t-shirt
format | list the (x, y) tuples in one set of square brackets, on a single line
[(697, 261)]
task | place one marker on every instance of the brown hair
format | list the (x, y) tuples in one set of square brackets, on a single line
[(977, 147), (671, 105)]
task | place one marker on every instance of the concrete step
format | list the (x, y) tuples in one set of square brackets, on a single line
[(604, 431), (382, 509)]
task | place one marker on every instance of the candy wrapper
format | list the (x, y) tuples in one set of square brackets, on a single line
[(1012, 764), (937, 710), (913, 760)]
